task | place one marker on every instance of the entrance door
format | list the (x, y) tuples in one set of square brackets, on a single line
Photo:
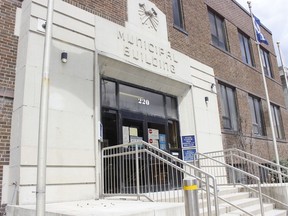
[(137, 127), (132, 130), (130, 113)]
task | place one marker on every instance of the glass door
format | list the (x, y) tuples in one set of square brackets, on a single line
[(132, 130)]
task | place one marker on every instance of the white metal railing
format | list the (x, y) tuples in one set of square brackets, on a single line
[(220, 169), (274, 184), (145, 172), (141, 170)]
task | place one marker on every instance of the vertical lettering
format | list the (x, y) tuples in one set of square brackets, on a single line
[(168, 55), (121, 36), (172, 69), (161, 52), (147, 59), (174, 59), (126, 51), (139, 41), (155, 62), (135, 55), (160, 64), (130, 39), (151, 48), (165, 66)]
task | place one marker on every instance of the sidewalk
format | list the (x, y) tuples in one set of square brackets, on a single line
[(103, 208)]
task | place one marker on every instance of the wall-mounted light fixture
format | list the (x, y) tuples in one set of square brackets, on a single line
[(212, 87), (64, 56), (206, 99)]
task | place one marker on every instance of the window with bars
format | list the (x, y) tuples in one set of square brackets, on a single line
[(257, 116), (229, 110), (277, 122), (246, 50), (218, 30)]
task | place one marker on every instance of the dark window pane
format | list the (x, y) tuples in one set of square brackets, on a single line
[(257, 116), (228, 104), (245, 47), (141, 101), (212, 24), (108, 89), (266, 62), (171, 106), (277, 122), (218, 32), (177, 14), (173, 135)]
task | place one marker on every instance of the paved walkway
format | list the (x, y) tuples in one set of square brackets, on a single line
[(104, 208)]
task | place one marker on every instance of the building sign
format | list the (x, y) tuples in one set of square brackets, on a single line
[(141, 50), (188, 147), (188, 141), (188, 154)]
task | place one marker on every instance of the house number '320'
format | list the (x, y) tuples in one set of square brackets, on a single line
[(143, 101)]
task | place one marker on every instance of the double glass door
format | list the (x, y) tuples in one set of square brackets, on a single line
[(130, 113), (125, 127)]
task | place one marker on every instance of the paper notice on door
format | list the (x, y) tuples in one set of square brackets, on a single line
[(125, 133), (135, 139), (154, 142), (133, 132), (153, 133)]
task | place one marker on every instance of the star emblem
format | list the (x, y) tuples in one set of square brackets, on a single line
[(148, 17)]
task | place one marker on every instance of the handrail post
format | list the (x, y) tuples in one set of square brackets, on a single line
[(215, 188), (260, 198), (102, 174), (190, 188), (137, 173), (208, 195), (233, 171)]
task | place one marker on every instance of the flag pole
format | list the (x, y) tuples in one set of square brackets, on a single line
[(43, 116), (267, 97), (283, 67)]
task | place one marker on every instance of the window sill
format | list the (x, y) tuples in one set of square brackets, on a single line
[(180, 29), (222, 50), (230, 132)]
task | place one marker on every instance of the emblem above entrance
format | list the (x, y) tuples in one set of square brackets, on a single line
[(148, 17)]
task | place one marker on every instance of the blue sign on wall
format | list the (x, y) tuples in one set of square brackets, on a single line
[(162, 142), (188, 154), (188, 141)]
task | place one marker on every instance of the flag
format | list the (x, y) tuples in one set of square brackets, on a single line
[(260, 36)]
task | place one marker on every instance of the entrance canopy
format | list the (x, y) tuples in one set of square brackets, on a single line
[(124, 72)]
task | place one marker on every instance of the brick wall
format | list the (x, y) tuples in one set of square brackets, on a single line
[(196, 42), (114, 10), (8, 52)]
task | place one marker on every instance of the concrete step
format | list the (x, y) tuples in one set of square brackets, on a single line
[(275, 212), (226, 208), (253, 209)]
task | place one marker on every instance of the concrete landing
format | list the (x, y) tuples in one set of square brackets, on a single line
[(103, 208)]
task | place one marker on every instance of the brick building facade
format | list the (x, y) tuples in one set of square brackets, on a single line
[(8, 55), (194, 40)]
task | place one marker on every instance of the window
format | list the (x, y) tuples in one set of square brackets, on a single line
[(218, 31), (266, 62), (257, 116), (178, 14), (228, 104), (108, 93), (245, 49), (277, 121)]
